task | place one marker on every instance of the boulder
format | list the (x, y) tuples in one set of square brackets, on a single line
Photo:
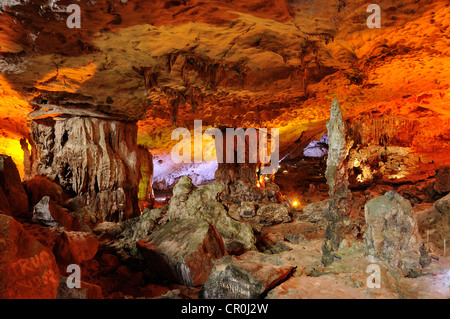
[(87, 291), (48, 213), (108, 229), (443, 205), (4, 203), (42, 215), (248, 276), (13, 198), (295, 238), (241, 190), (272, 214), (233, 212), (442, 183), (140, 227), (435, 222), (75, 247), (189, 201), (40, 186), (247, 210), (183, 251), (242, 210), (27, 269), (136, 229), (80, 210), (392, 233), (315, 212)]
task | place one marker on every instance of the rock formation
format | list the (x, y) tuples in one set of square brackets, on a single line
[(247, 277), (392, 234), (137, 69), (337, 180), (442, 184), (146, 168), (190, 202), (87, 291), (27, 269), (75, 247), (95, 158), (13, 198), (272, 214), (183, 251)]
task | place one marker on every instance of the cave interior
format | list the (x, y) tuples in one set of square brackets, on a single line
[(185, 149)]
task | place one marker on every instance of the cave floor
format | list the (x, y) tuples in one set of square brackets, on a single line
[(346, 277)]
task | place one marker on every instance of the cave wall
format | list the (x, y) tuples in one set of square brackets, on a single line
[(96, 159)]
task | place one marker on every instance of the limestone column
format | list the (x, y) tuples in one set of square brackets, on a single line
[(337, 180), (94, 157)]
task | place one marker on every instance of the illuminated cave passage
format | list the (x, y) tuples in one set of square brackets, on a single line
[(94, 122)]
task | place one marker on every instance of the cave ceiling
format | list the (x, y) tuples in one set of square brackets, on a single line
[(255, 63)]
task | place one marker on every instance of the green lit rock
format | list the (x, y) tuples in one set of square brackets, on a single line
[(191, 202)]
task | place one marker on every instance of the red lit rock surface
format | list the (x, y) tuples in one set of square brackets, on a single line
[(27, 269)]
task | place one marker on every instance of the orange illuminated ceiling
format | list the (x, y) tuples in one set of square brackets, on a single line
[(235, 63)]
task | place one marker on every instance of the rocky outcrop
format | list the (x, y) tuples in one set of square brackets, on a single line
[(87, 290), (337, 180), (273, 214), (243, 210), (140, 227), (190, 202), (434, 224), (146, 169), (183, 251), (27, 269), (95, 158), (242, 190), (75, 247), (13, 198), (48, 213), (443, 205), (315, 212), (392, 233), (40, 186), (228, 173), (442, 183), (248, 276), (41, 213)]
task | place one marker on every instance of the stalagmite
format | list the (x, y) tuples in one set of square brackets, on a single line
[(337, 180)]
